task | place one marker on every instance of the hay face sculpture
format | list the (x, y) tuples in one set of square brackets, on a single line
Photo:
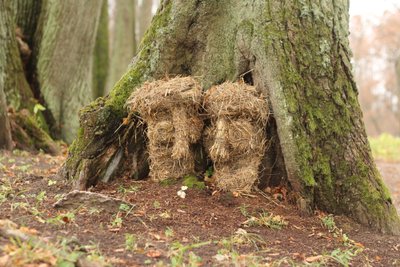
[(235, 139), (170, 109)]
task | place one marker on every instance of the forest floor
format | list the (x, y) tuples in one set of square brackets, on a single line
[(163, 229)]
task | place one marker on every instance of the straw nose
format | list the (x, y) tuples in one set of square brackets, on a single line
[(180, 148), (219, 150)]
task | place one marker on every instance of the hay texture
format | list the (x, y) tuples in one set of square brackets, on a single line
[(235, 139), (170, 108)]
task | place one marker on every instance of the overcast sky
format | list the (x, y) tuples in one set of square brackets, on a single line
[(371, 8)]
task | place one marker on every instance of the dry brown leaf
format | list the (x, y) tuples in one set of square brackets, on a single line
[(153, 253), (314, 258), (27, 230), (4, 261)]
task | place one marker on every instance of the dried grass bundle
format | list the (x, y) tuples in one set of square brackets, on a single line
[(235, 138), (171, 110)]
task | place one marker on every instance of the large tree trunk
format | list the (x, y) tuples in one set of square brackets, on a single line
[(64, 57), (123, 45), (297, 53)]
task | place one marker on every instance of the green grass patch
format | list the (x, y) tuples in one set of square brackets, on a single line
[(385, 147)]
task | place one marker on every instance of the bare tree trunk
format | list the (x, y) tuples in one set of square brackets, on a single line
[(101, 54), (297, 53), (64, 57), (123, 37), (144, 17)]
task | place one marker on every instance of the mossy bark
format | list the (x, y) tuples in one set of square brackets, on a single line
[(36, 37), (123, 40), (15, 85), (5, 131), (297, 53), (29, 136), (5, 20)]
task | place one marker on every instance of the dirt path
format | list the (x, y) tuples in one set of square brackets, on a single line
[(162, 229)]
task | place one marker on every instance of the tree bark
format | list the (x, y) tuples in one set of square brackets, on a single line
[(5, 35), (123, 46), (297, 53), (5, 131), (101, 54), (15, 85), (64, 57)]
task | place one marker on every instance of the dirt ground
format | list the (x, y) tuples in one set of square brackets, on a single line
[(162, 229)]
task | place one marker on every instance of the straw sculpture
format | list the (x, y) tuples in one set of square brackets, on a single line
[(170, 108), (235, 138)]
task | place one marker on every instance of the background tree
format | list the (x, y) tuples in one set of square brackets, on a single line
[(66, 87), (5, 131), (49, 57), (297, 53), (123, 39), (144, 15), (101, 55)]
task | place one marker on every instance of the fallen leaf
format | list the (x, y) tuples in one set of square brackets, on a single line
[(314, 258), (153, 253), (4, 260), (156, 236), (221, 257), (359, 245), (125, 121), (27, 230)]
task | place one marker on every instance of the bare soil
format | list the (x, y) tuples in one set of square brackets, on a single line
[(170, 230)]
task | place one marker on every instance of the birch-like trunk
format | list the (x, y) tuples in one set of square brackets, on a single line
[(144, 14), (123, 45)]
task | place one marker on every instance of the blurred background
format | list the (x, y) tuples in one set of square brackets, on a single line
[(375, 42)]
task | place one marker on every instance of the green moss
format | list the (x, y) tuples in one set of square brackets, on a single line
[(124, 87), (138, 73), (168, 182), (38, 137), (191, 181), (322, 103)]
